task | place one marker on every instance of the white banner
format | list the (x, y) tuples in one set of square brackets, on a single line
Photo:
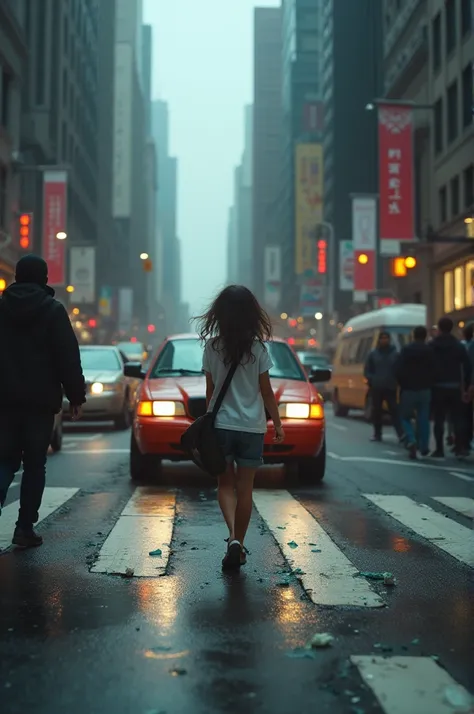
[(125, 309), (346, 265), (82, 274), (122, 131), (272, 272), (364, 223)]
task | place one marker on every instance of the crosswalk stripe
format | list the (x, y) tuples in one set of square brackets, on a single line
[(145, 525), (411, 684), (53, 498), (328, 576), (460, 504), (443, 532)]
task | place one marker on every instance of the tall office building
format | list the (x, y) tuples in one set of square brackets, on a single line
[(267, 126), (352, 78), (301, 143), (13, 53)]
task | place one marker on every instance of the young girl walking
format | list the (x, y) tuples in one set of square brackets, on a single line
[(235, 329)]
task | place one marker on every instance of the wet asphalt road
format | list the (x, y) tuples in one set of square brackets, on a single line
[(191, 639)]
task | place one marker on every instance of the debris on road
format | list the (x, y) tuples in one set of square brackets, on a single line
[(292, 544), (319, 640), (177, 672), (129, 573), (387, 578), (316, 550), (457, 697), (156, 553)]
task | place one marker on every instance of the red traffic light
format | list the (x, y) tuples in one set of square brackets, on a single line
[(151, 328), (25, 225), (92, 322)]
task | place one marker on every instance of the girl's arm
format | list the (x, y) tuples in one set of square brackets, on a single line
[(209, 389), (271, 404)]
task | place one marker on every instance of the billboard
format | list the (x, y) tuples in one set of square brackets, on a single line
[(346, 265), (312, 297), (272, 273), (54, 222), (82, 274), (309, 191), (106, 301), (396, 179), (122, 131), (364, 239)]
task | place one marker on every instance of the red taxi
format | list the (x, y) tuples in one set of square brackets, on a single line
[(172, 395)]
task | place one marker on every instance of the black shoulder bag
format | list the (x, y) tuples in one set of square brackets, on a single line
[(200, 440)]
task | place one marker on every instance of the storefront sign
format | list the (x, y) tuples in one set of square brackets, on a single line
[(82, 274), (309, 192), (54, 222), (346, 265), (396, 176), (364, 239)]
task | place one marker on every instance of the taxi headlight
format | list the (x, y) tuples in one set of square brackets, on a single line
[(300, 410), (101, 387), (161, 409), (97, 388)]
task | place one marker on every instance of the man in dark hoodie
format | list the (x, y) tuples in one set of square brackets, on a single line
[(380, 374), (415, 372), (452, 380), (39, 358)]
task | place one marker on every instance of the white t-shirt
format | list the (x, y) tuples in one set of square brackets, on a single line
[(243, 408)]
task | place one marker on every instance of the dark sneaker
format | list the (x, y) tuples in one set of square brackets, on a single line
[(232, 559), (26, 538), (412, 451), (437, 454)]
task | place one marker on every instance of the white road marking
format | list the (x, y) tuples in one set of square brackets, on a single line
[(53, 498), (339, 427), (443, 532), (97, 451), (145, 524), (82, 437), (464, 477), (390, 453), (392, 462), (460, 504), (410, 684), (328, 576)]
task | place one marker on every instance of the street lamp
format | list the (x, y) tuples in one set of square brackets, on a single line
[(319, 316), (61, 235), (144, 256), (70, 289)]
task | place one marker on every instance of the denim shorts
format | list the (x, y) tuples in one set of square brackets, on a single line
[(242, 447)]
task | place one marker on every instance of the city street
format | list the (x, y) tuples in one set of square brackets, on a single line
[(92, 623)]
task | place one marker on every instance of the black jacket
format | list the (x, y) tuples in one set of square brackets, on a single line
[(416, 367), (39, 353), (453, 366), (380, 368)]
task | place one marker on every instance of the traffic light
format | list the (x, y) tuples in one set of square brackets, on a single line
[(363, 259), (151, 328), (401, 265), (25, 223)]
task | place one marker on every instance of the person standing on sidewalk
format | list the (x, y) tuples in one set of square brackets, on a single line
[(39, 358), (380, 375), (452, 380), (415, 372)]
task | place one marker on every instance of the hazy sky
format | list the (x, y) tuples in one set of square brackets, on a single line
[(203, 67)]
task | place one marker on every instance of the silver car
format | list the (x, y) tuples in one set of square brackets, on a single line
[(109, 393)]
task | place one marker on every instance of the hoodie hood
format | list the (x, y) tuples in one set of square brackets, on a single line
[(22, 303)]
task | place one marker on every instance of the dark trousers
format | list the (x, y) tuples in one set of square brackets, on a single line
[(389, 396), (447, 403), (25, 436), (468, 424)]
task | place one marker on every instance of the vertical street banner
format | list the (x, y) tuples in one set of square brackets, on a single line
[(125, 310), (272, 272), (54, 222), (396, 177), (309, 192), (82, 274), (364, 240), (346, 265), (105, 301)]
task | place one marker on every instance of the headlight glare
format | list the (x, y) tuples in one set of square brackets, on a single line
[(97, 388)]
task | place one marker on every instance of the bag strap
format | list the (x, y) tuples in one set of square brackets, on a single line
[(223, 390)]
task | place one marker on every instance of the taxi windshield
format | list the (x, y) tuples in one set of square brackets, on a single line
[(184, 358), (100, 359), (132, 348)]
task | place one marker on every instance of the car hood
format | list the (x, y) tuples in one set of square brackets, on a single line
[(96, 375), (184, 388)]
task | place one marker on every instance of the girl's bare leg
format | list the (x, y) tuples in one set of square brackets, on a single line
[(245, 479), (227, 498)]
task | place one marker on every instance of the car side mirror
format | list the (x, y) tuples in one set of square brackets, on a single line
[(134, 370), (318, 375)]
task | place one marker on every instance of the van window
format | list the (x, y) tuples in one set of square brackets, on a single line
[(365, 346), (401, 335), (345, 350)]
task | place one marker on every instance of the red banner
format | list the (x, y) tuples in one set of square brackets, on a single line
[(396, 173), (54, 222)]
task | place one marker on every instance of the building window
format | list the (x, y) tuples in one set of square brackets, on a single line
[(455, 197), (448, 291), (443, 205), (436, 40), (469, 186), (452, 111), (459, 293), (450, 25), (438, 128), (466, 17), (467, 95), (469, 283)]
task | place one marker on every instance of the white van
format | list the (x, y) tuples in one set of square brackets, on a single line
[(358, 337)]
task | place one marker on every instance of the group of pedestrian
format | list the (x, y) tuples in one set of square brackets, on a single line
[(433, 379)]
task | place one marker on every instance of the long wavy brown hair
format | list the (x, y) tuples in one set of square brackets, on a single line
[(234, 322)]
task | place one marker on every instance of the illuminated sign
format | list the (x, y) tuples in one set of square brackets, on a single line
[(322, 257)]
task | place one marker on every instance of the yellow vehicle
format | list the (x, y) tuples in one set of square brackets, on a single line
[(357, 339)]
